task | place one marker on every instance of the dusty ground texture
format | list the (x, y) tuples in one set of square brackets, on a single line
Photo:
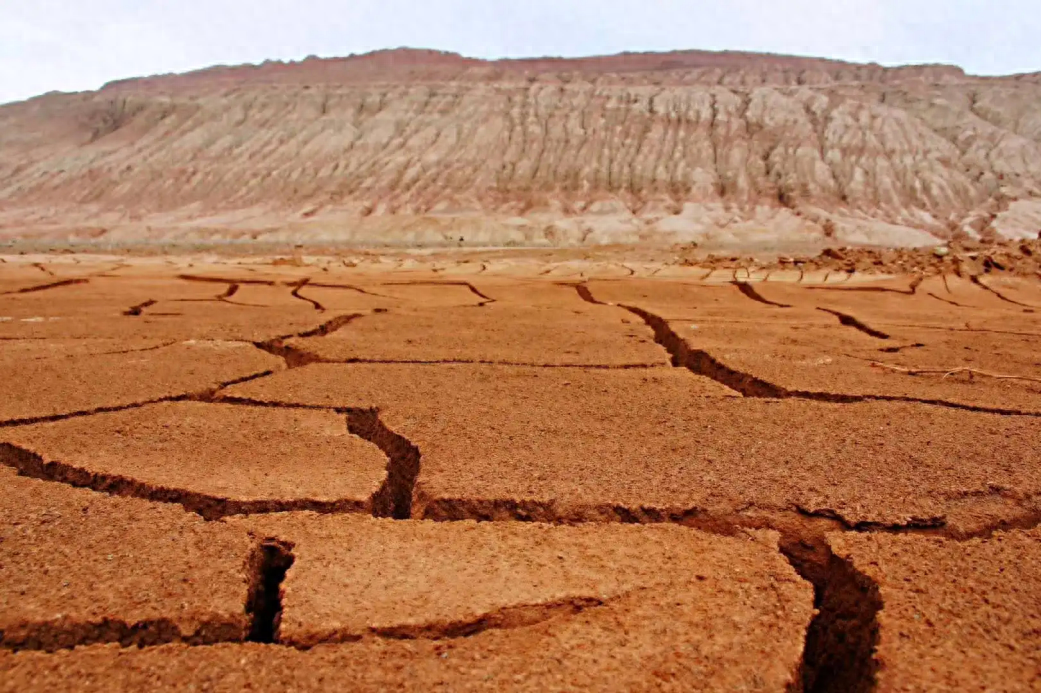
[(516, 474)]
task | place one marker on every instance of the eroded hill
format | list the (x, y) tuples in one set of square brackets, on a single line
[(418, 147)]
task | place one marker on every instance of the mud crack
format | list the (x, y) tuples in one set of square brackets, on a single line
[(506, 618), (202, 396), (296, 294), (485, 299), (911, 290), (268, 565), (702, 363), (586, 295), (45, 287), (850, 321), (946, 300), (975, 279), (139, 308), (839, 654), (749, 291), (394, 498), (221, 280), (66, 634), (209, 507), (295, 358)]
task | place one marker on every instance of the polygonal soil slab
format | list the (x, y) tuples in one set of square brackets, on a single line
[(95, 308), (842, 362), (593, 336), (163, 308), (937, 302), (12, 350), (372, 295), (955, 615), (738, 302), (634, 602), (80, 567), (48, 385), (1025, 293), (584, 444), (220, 320), (541, 293), (215, 459)]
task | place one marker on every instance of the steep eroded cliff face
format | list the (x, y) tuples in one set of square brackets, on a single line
[(420, 147)]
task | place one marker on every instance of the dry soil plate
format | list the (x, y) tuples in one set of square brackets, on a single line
[(754, 482)]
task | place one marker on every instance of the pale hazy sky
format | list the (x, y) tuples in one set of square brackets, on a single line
[(74, 45)]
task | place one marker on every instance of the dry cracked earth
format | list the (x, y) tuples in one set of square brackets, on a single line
[(219, 475)]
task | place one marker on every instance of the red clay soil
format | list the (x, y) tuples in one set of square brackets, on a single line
[(592, 336), (1012, 290), (356, 294), (944, 302), (521, 607), (533, 293), (43, 349), (215, 459), (137, 317), (434, 580), (1020, 258), (626, 543), (723, 302), (50, 386), (80, 567), (525, 443), (838, 361), (955, 616)]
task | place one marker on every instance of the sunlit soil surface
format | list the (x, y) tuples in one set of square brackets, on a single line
[(231, 474)]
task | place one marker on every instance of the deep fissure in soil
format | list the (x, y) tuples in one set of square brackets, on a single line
[(269, 563), (839, 654), (394, 499)]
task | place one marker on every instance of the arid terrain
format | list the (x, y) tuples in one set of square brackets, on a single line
[(516, 471), (418, 148)]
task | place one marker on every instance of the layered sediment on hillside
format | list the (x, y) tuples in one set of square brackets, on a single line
[(418, 147)]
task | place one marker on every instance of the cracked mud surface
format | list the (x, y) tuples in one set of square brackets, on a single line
[(513, 476), (502, 442), (247, 459), (955, 615), (589, 336), (79, 568)]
